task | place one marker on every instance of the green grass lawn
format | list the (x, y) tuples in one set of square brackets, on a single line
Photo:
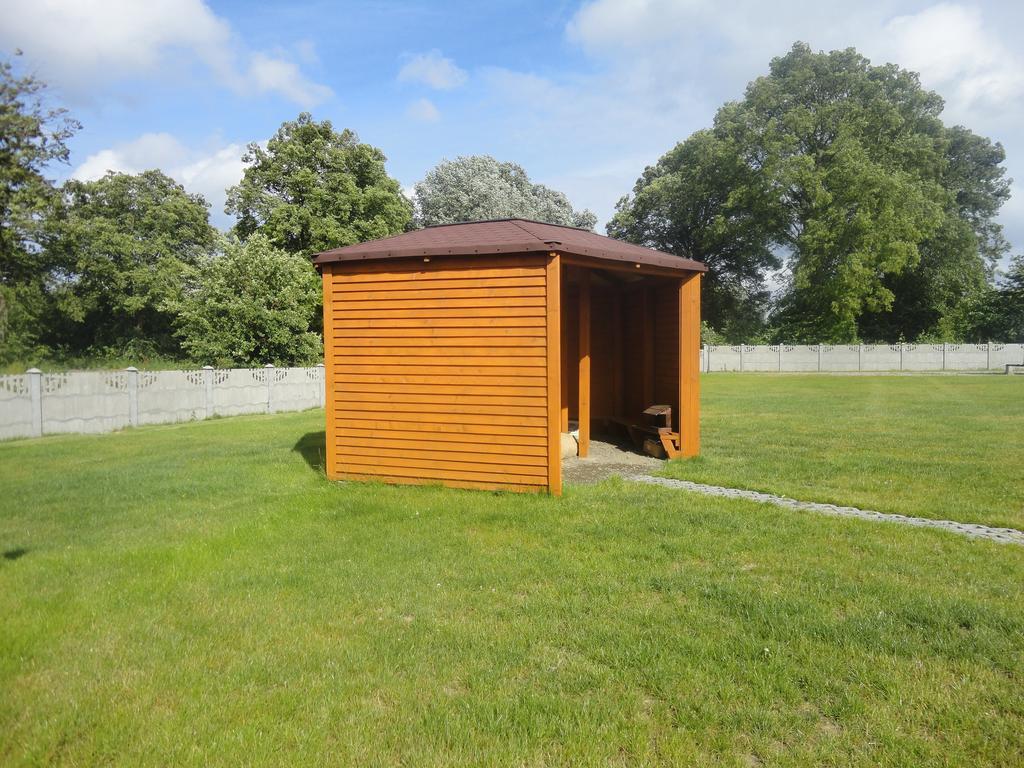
[(200, 595), (948, 447)]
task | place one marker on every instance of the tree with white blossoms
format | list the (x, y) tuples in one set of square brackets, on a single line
[(478, 187)]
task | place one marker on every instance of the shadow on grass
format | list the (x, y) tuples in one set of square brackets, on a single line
[(311, 447), (14, 554)]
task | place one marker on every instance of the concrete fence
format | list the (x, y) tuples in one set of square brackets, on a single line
[(861, 357), (36, 403)]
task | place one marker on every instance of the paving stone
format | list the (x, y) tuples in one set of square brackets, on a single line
[(972, 530)]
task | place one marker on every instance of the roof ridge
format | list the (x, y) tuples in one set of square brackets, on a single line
[(534, 235), (512, 220)]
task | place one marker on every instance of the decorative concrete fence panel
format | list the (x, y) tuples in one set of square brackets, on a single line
[(165, 397), (881, 357), (242, 390), (16, 410), (800, 358), (840, 357), (724, 359), (923, 357), (298, 389), (760, 358), (38, 403), (967, 357), (1002, 355), (87, 401)]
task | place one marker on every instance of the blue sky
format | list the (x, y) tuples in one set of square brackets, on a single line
[(582, 94)]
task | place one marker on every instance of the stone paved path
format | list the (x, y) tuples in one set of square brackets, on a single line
[(1001, 535)]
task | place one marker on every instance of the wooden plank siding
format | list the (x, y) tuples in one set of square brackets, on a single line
[(441, 371)]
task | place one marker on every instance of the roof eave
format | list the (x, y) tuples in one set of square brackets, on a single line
[(355, 254), (656, 258)]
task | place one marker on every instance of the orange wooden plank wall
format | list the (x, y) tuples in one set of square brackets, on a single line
[(438, 372)]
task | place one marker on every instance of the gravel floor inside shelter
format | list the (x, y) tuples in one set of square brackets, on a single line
[(605, 460)]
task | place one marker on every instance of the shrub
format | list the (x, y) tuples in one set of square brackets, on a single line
[(251, 305)]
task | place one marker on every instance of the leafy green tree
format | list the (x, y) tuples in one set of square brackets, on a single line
[(251, 306), (702, 201), (478, 187), (32, 136), (313, 189), (24, 308), (999, 314), (956, 264), (123, 244), (885, 215)]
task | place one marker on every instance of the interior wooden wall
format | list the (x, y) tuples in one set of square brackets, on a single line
[(666, 346), (634, 345)]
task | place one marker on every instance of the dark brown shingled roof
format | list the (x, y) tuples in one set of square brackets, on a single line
[(505, 236)]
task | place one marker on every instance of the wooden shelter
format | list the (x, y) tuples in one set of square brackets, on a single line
[(459, 354)]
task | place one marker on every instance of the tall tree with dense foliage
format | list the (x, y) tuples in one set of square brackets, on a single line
[(478, 187), (123, 244), (702, 201), (313, 188), (885, 215), (32, 135), (999, 314), (250, 306), (956, 265)]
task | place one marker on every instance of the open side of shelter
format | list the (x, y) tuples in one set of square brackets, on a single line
[(459, 354)]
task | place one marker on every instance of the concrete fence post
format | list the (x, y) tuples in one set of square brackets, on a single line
[(35, 390), (944, 345), (819, 358), (860, 357), (207, 391), (901, 355), (133, 395), (269, 368), (741, 358), (323, 384), (988, 356), (781, 345)]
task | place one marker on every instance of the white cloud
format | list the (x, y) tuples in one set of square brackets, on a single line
[(78, 45), (280, 76), (423, 111), (955, 53), (959, 49), (434, 70), (632, 23), (206, 171), (306, 50)]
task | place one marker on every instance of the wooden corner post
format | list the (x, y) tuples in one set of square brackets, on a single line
[(584, 358), (553, 291), (330, 441), (689, 365)]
